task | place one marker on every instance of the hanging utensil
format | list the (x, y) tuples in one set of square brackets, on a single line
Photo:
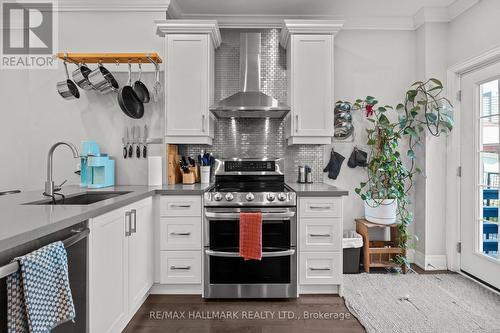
[(67, 89), (124, 138), (131, 146), (81, 77), (128, 100), (145, 142), (157, 88), (102, 80), (140, 88), (139, 143)]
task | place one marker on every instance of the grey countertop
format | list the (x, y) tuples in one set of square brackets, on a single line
[(317, 190), (20, 223)]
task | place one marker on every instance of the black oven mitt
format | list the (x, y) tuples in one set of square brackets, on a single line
[(333, 167), (357, 158)]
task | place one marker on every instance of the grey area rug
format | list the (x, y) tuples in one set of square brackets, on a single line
[(421, 303)]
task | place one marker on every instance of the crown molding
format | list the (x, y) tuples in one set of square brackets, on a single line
[(442, 14), (176, 26), (459, 7), (112, 6), (321, 27)]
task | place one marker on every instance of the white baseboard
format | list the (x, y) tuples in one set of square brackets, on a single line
[(176, 289), (430, 262)]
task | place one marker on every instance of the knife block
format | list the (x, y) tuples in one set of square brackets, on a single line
[(188, 178), (194, 170)]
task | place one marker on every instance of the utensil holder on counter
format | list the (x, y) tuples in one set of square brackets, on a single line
[(205, 174), (188, 178)]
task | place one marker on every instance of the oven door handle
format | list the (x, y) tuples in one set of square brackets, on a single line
[(265, 216), (285, 253)]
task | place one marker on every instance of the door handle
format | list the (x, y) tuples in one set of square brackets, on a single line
[(128, 221), (180, 206), (134, 228), (203, 123), (180, 234), (296, 123), (179, 268), (319, 207), (265, 216), (225, 254), (319, 235)]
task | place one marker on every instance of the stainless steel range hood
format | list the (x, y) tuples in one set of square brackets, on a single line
[(250, 102)]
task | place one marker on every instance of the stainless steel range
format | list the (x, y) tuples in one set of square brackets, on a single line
[(250, 185)]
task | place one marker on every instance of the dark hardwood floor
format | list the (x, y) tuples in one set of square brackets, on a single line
[(188, 314)]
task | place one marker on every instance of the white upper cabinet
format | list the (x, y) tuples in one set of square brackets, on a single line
[(189, 79), (310, 61)]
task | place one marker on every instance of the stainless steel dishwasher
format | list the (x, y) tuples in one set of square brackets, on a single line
[(76, 242)]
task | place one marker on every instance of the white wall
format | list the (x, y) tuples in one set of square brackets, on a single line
[(377, 63), (34, 116), (474, 32)]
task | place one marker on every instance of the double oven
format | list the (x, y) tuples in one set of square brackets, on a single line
[(259, 188)]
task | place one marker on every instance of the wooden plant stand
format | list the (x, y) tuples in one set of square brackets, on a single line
[(379, 253)]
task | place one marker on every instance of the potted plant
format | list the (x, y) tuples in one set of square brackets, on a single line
[(395, 134)]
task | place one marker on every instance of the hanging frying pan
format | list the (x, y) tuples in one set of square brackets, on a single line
[(67, 88), (130, 104), (140, 88)]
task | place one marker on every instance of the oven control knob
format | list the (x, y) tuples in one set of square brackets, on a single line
[(271, 196), (217, 196), (250, 197), (229, 197), (282, 196)]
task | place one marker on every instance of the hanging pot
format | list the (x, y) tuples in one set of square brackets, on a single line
[(140, 88), (81, 77), (384, 212), (67, 89), (102, 80), (130, 104)]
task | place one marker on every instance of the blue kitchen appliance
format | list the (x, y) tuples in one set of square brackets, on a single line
[(97, 170)]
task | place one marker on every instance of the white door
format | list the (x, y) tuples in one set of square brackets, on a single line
[(140, 252), (108, 272), (480, 174)]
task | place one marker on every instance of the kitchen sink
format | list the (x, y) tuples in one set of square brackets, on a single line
[(86, 198)]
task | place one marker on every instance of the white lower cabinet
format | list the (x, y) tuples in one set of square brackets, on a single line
[(180, 244), (320, 245), (120, 265)]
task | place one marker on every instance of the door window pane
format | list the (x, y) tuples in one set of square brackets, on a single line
[(488, 168)]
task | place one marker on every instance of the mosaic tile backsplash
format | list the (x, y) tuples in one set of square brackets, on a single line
[(255, 138)]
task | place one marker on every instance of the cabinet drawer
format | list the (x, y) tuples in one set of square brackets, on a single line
[(171, 205), (180, 233), (180, 267), (320, 207), (320, 268), (323, 234)]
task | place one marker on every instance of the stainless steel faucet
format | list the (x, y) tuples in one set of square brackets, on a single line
[(49, 184)]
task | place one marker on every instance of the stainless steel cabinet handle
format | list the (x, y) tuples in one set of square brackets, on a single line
[(178, 268), (180, 234), (319, 268), (128, 223), (134, 228), (319, 235), (319, 207), (265, 216), (296, 123), (180, 206), (285, 253), (203, 123)]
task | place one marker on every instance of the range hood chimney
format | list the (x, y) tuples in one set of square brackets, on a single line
[(250, 102)]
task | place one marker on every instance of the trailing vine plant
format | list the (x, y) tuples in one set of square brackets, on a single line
[(423, 111)]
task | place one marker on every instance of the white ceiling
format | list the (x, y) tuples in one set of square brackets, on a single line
[(356, 14), (338, 8)]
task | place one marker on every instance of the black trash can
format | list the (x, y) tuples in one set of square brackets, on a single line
[(352, 243)]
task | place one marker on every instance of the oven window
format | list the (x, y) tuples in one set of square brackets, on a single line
[(224, 270), (225, 234)]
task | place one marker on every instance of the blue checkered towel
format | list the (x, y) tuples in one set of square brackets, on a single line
[(39, 297)]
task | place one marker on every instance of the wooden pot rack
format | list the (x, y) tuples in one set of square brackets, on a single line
[(110, 58)]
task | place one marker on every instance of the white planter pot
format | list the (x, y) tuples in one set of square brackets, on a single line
[(384, 213)]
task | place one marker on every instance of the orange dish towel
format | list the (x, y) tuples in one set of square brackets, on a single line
[(251, 236)]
